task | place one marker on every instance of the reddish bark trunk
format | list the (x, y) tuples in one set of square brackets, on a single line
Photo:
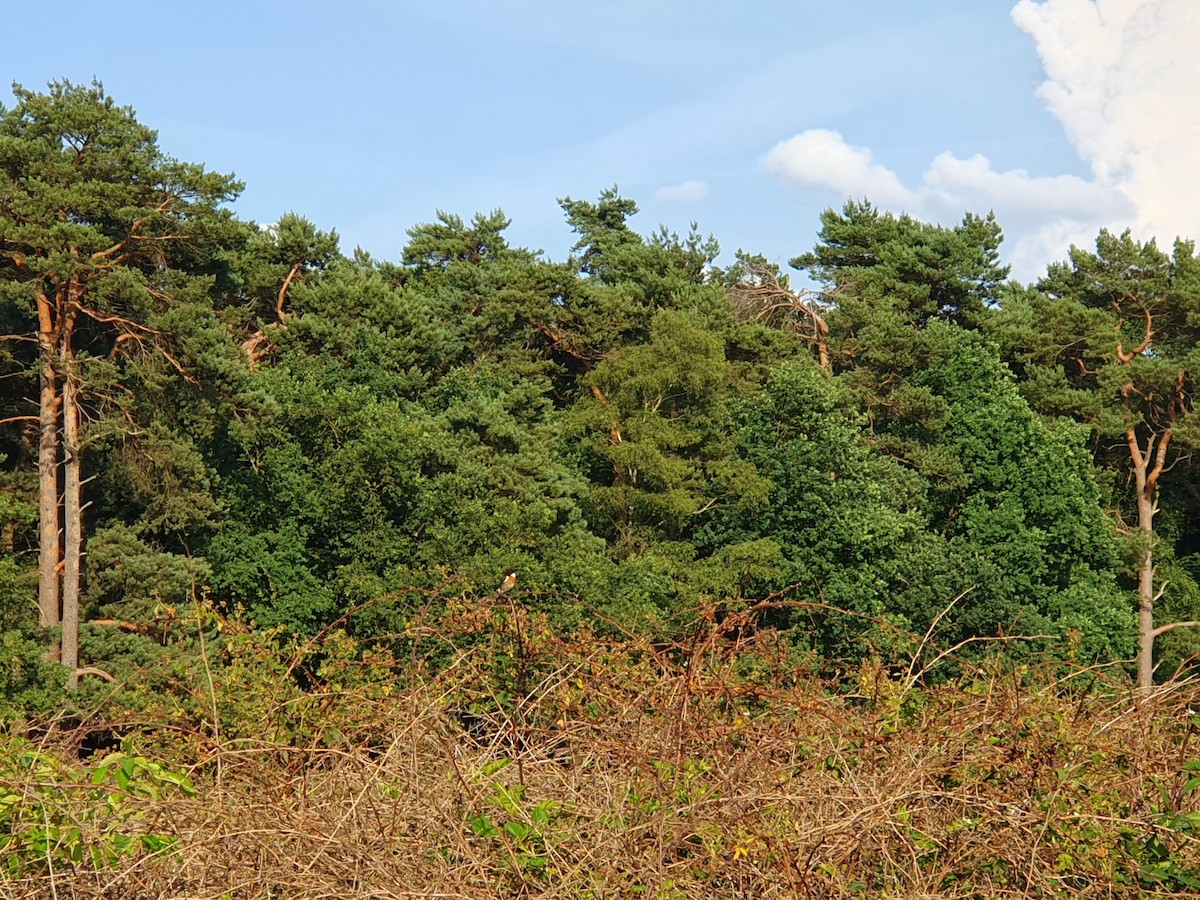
[(72, 522), (48, 529)]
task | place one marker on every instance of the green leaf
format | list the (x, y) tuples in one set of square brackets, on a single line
[(482, 826), (516, 830)]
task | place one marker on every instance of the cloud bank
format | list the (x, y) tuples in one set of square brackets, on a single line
[(1120, 77)]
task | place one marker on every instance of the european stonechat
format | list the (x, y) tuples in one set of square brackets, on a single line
[(510, 580)]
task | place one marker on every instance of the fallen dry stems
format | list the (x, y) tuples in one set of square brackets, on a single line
[(626, 769)]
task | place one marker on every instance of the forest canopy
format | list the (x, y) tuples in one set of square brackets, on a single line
[(202, 414)]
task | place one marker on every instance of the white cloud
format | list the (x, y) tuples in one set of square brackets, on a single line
[(1042, 215), (821, 158), (1121, 77), (1047, 213), (954, 181), (687, 192)]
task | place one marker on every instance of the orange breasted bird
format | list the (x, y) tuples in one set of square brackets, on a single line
[(510, 580)]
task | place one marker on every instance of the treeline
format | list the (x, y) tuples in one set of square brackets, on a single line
[(202, 412)]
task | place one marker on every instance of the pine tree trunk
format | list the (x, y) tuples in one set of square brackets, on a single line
[(1148, 464), (48, 529), (1145, 655), (72, 522)]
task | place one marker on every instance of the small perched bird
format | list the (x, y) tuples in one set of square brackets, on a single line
[(510, 580)]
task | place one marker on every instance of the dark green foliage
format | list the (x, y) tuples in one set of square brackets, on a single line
[(29, 683), (1010, 502), (899, 269), (887, 279), (1025, 517), (322, 441), (1112, 340), (842, 523), (410, 433)]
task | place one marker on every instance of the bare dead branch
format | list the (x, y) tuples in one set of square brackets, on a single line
[(99, 673), (131, 627), (761, 296), (1163, 629)]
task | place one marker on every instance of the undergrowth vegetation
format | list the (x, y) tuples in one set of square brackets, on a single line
[(501, 760)]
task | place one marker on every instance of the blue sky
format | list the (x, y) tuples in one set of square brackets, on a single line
[(750, 119)]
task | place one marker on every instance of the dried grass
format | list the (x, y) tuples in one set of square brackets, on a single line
[(631, 770)]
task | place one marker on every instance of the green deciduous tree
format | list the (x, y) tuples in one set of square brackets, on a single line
[(1022, 512), (848, 521), (1013, 501)]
